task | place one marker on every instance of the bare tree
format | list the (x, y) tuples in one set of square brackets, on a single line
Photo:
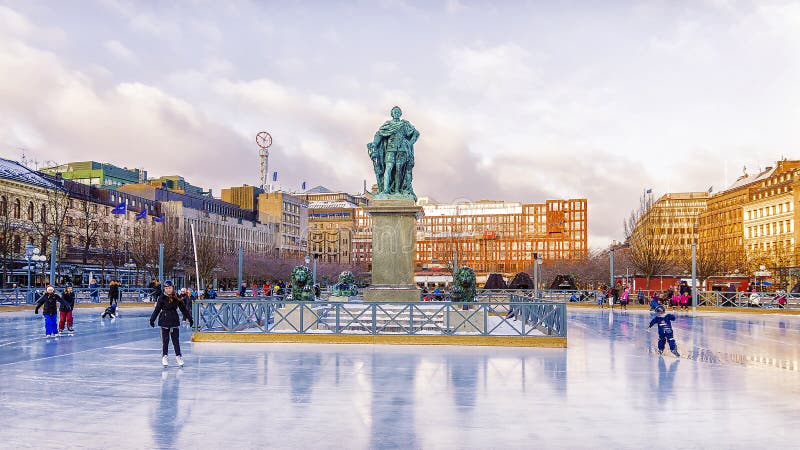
[(6, 237), (49, 218), (209, 255), (652, 247), (145, 241), (87, 226)]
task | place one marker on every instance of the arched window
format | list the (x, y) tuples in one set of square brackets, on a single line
[(30, 211), (3, 205), (17, 243), (17, 209), (44, 213)]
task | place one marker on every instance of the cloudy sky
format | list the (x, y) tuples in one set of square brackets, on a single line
[(515, 100)]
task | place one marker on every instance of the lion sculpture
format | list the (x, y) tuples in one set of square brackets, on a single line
[(346, 287), (302, 289), (464, 288)]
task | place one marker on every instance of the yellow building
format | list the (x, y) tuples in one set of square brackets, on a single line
[(245, 197), (332, 224), (665, 232), (290, 214), (769, 217)]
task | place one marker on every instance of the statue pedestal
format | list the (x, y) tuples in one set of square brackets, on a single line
[(393, 247)]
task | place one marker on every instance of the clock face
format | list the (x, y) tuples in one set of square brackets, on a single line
[(263, 139)]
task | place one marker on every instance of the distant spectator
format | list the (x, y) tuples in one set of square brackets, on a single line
[(640, 297), (113, 292)]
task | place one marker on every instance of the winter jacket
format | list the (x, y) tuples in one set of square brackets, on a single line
[(50, 302), (68, 301), (167, 312), (113, 293), (664, 325)]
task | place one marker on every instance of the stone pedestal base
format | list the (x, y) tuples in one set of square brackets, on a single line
[(393, 245), (461, 322), (392, 294)]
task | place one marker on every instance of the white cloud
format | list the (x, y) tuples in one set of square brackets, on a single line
[(118, 50)]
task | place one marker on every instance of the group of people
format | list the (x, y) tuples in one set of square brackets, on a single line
[(165, 313), (268, 289), (616, 295)]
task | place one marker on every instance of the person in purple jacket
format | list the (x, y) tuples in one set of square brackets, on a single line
[(665, 333)]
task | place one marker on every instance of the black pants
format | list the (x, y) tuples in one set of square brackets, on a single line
[(166, 333)]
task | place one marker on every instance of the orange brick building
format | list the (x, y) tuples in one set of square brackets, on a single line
[(490, 236)]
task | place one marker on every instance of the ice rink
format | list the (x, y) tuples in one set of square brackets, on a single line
[(736, 386)]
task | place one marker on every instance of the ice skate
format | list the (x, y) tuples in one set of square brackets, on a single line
[(179, 360), (660, 352), (164, 361), (675, 352), (71, 330)]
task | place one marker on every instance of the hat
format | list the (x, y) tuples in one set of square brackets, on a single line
[(69, 285), (659, 309), (168, 283)]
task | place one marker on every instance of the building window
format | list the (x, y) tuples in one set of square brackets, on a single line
[(30, 211)]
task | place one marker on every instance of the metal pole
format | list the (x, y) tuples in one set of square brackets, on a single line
[(694, 277), (241, 259), (28, 292), (53, 249), (196, 265), (611, 268), (536, 275), (314, 277), (161, 262)]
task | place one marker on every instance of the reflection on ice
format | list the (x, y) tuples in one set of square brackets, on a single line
[(608, 389)]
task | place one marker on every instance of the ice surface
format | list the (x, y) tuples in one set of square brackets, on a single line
[(738, 386)]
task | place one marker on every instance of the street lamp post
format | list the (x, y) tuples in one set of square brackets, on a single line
[(32, 255)]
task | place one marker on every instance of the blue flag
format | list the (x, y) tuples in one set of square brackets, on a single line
[(303, 186), (142, 215), (158, 219), (649, 191), (119, 209), (274, 176)]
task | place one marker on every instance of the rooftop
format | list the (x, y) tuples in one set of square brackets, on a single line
[(12, 170)]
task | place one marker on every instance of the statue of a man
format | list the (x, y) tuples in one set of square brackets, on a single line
[(395, 141)]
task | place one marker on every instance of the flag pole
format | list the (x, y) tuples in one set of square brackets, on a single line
[(196, 267)]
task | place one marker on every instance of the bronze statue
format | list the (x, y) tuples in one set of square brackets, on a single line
[(392, 154)]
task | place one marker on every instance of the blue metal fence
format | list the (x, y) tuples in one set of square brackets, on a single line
[(21, 296), (517, 316)]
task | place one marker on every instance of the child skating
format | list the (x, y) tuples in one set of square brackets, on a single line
[(49, 304), (166, 311), (67, 305), (665, 333)]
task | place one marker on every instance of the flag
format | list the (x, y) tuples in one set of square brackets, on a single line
[(303, 187), (274, 176), (142, 215), (649, 191), (158, 219), (119, 209), (710, 188)]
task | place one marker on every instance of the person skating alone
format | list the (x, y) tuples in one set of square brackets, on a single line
[(67, 305), (167, 312), (49, 304), (665, 333)]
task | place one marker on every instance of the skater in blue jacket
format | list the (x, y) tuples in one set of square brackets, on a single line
[(665, 334)]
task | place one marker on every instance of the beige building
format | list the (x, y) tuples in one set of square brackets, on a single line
[(769, 217), (234, 227), (289, 214), (669, 226), (332, 224)]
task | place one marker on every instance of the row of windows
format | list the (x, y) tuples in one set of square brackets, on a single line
[(784, 226), (769, 211)]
